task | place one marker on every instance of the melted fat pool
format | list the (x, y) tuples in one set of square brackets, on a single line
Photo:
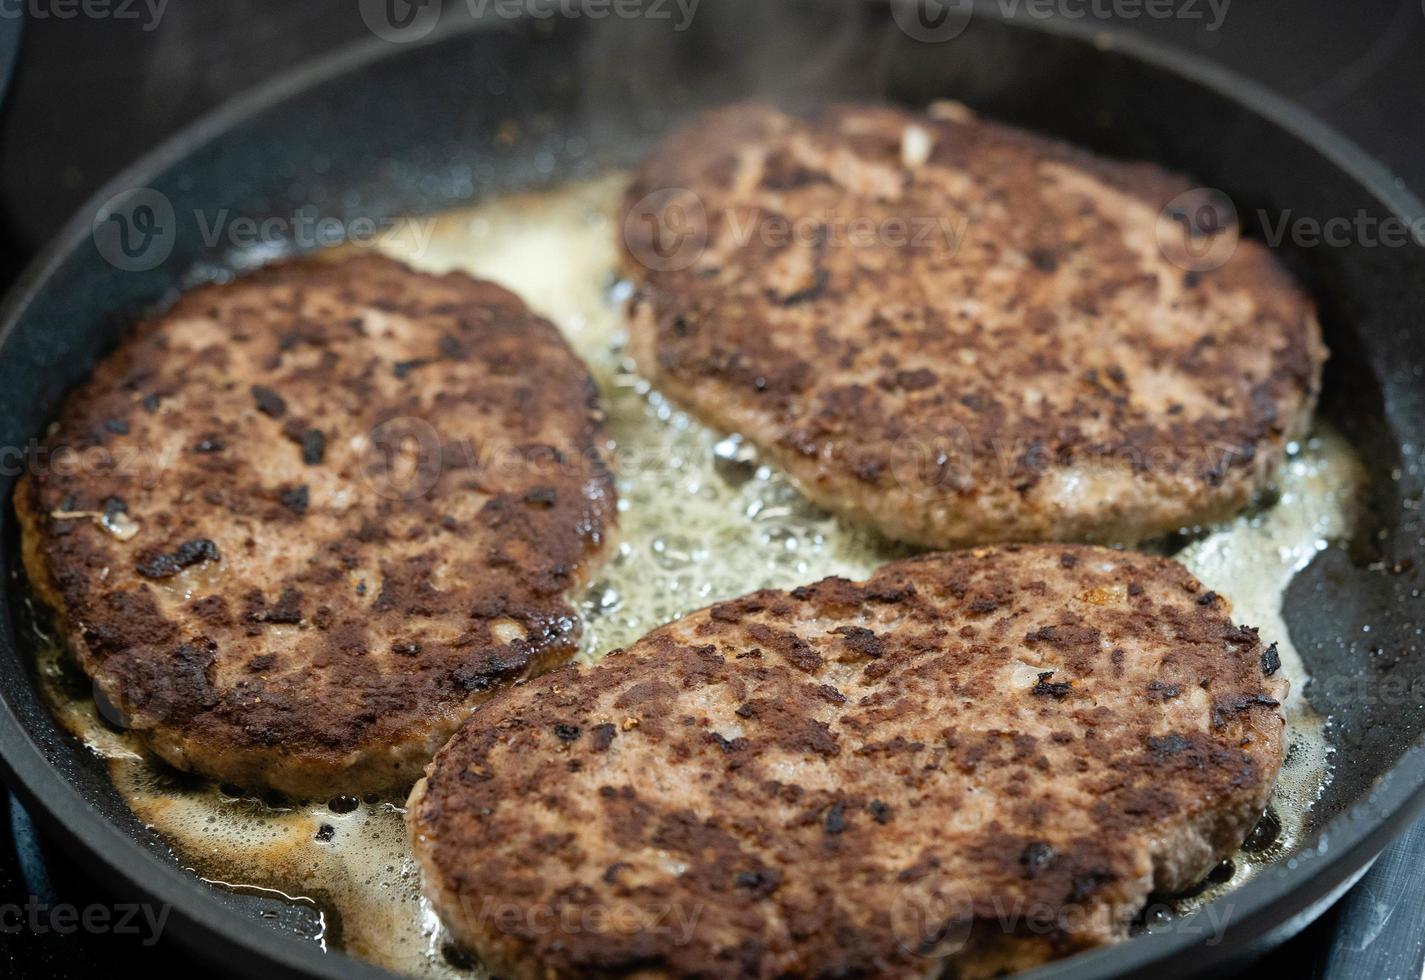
[(701, 520)]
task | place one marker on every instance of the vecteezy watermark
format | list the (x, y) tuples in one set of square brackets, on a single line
[(136, 230), (1211, 12), (669, 230), (1340, 231), (622, 918), (307, 230), (932, 918), (143, 464), (936, 917), (1198, 230), (934, 21), (61, 918), (405, 21), (149, 12)]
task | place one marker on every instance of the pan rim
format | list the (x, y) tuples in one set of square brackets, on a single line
[(1275, 898)]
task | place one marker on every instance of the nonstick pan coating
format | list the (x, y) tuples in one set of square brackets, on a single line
[(400, 128)]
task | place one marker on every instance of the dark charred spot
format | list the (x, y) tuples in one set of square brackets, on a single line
[(150, 403), (406, 648), (1242, 635), (835, 821), (1160, 691), (725, 743), (269, 402), (314, 447), (296, 498), (891, 595), (402, 368), (1163, 746), (540, 497), (566, 732), (210, 443), (1207, 599), (1036, 856), (759, 881), (120, 427), (918, 380), (603, 736), (1271, 661), (1044, 688), (1086, 884), (860, 640), (287, 610), (1043, 259), (1068, 561), (880, 812), (189, 553), (1224, 708)]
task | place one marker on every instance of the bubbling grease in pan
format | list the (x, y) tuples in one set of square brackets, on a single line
[(701, 520)]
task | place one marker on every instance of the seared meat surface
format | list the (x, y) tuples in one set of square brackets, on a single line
[(973, 761), (319, 514), (959, 332)]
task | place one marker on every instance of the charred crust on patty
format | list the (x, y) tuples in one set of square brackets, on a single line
[(796, 821), (1039, 371), (328, 627)]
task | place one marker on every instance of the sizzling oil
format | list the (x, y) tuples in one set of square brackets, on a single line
[(702, 519)]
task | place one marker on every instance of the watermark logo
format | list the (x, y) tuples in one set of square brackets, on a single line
[(400, 21), (148, 12), (1198, 230), (1360, 229), (676, 923), (932, 918), (667, 230), (135, 229), (932, 21), (404, 458), (404, 21), (62, 918)]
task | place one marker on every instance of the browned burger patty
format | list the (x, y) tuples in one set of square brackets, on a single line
[(959, 332), (857, 779), (297, 526)]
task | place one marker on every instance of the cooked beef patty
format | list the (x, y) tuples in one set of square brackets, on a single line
[(314, 516), (959, 332), (978, 761)]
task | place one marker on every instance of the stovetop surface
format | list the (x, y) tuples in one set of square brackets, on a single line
[(92, 94)]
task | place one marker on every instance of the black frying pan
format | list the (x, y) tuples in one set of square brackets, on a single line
[(404, 127)]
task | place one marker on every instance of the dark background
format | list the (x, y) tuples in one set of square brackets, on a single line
[(89, 95)]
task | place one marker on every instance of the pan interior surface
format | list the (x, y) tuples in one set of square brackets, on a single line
[(526, 105)]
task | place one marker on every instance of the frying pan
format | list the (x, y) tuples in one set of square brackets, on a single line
[(417, 125)]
